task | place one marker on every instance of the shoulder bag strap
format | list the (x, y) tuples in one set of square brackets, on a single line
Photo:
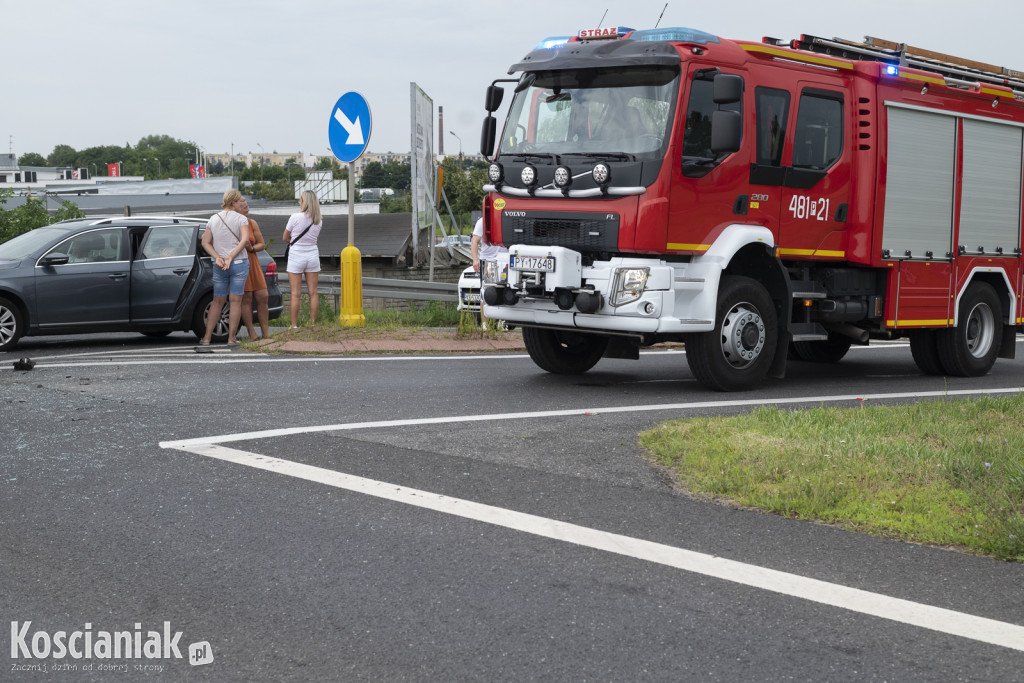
[(303, 232), (237, 237)]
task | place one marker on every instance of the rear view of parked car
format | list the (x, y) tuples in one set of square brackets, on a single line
[(125, 274)]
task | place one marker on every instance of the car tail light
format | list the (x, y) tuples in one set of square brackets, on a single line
[(271, 269)]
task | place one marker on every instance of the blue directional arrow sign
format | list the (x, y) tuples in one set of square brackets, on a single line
[(349, 127)]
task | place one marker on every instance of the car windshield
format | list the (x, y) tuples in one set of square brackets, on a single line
[(589, 111), (28, 243)]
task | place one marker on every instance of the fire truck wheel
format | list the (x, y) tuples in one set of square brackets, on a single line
[(738, 353), (563, 353), (970, 348), (924, 346), (831, 350)]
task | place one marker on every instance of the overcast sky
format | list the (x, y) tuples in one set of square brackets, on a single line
[(268, 72)]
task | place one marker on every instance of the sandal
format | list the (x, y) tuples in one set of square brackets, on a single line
[(232, 344), (204, 343)]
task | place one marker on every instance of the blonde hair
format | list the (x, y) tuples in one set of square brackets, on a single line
[(310, 206), (230, 197)]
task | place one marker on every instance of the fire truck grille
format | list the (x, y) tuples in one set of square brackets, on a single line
[(580, 232)]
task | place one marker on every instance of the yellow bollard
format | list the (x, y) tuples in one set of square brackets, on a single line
[(352, 288)]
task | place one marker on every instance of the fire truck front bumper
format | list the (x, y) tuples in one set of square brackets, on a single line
[(548, 287)]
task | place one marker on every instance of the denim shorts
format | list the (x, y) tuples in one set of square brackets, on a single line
[(232, 280)]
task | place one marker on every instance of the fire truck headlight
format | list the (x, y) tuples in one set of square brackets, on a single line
[(528, 176), (495, 172), (493, 273), (563, 177), (602, 174), (629, 285)]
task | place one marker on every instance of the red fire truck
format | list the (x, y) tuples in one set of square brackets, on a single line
[(758, 201)]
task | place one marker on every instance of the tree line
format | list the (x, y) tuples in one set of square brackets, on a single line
[(162, 156)]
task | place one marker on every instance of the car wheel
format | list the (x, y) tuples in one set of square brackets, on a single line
[(563, 353), (12, 325), (738, 353), (220, 332)]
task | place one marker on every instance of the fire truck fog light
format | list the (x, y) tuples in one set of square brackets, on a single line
[(563, 176), (588, 302), (495, 172), (492, 296), (647, 308), (629, 285), (602, 174), (528, 175)]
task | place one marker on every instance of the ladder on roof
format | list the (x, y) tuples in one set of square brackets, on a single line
[(957, 69)]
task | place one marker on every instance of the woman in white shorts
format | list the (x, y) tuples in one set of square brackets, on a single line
[(301, 233)]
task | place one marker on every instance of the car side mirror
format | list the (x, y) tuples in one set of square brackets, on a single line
[(55, 258), (493, 99), (728, 89), (487, 136), (726, 131)]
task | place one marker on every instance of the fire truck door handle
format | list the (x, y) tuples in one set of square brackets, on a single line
[(741, 205), (841, 212)]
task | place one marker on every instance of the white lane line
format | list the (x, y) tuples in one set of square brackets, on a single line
[(853, 599), (225, 357), (451, 419)]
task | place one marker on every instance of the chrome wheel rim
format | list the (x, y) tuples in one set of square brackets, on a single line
[(743, 335)]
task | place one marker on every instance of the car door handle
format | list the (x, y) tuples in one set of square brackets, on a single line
[(182, 271), (117, 276)]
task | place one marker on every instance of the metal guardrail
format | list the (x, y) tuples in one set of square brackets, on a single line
[(393, 289)]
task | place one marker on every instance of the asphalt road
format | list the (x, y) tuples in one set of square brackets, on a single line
[(448, 518)]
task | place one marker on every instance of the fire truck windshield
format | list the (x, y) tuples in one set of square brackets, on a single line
[(625, 111)]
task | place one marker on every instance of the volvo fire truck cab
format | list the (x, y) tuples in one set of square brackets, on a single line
[(757, 201)]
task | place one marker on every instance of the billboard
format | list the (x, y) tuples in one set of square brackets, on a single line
[(422, 161)]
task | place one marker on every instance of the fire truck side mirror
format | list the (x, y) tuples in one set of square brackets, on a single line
[(728, 89), (487, 135), (726, 132), (493, 99)]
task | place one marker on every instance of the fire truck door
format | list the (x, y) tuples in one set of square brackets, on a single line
[(816, 181)]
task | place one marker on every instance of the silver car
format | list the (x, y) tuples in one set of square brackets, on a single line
[(123, 274)]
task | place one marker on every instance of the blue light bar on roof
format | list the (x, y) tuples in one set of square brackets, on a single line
[(675, 35), (891, 70), (552, 42)]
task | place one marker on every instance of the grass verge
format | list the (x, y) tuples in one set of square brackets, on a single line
[(947, 473)]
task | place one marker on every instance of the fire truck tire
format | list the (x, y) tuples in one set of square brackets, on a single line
[(563, 353), (924, 346), (831, 350), (738, 353), (970, 349)]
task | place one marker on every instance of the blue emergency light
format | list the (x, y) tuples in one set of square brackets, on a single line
[(552, 42), (676, 34), (892, 70)]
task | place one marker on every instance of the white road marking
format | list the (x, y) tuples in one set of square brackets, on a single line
[(697, 405), (853, 599)]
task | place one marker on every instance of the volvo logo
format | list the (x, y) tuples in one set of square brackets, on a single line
[(516, 214)]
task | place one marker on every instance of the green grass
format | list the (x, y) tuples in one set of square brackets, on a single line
[(420, 314), (947, 473)]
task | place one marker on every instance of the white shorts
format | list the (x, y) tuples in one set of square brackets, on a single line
[(303, 260)]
